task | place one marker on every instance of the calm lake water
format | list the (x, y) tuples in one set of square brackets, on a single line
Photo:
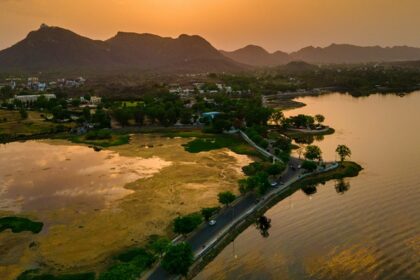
[(366, 227)]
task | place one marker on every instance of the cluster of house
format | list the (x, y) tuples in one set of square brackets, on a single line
[(93, 102), (34, 83), (186, 91)]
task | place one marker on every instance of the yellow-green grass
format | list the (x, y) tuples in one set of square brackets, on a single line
[(11, 123)]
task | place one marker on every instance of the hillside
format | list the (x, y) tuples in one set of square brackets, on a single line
[(257, 56), (58, 49), (333, 54)]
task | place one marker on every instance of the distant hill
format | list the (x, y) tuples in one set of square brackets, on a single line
[(257, 56), (344, 53), (54, 49), (333, 54), (58, 49), (298, 66)]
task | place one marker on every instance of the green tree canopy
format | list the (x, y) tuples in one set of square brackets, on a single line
[(186, 224), (276, 169), (313, 152), (226, 198), (319, 118), (343, 151), (208, 212), (309, 165), (178, 259)]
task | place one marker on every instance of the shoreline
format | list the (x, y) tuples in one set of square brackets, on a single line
[(352, 170)]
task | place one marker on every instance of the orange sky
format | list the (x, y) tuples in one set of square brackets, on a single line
[(228, 24)]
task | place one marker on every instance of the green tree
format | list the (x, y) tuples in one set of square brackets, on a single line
[(122, 115), (343, 151), (226, 198), (178, 259), (101, 118), (309, 165), (319, 118), (277, 117), (207, 213), (283, 143), (23, 113), (276, 169), (186, 224), (258, 183), (158, 244), (313, 152), (186, 116), (6, 92), (139, 115)]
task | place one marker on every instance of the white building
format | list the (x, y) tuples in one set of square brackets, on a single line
[(33, 97)]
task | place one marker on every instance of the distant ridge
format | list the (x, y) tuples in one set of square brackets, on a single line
[(333, 54), (58, 49), (257, 56), (55, 49)]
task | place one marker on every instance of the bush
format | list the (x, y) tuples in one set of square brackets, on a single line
[(186, 224), (252, 168), (132, 263)]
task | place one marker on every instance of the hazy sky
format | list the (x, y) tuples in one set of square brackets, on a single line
[(228, 24)]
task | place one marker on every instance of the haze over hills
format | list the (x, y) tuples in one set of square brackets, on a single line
[(333, 54), (58, 49), (54, 49), (257, 56)]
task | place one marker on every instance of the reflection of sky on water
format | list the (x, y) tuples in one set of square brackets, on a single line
[(36, 175), (367, 227)]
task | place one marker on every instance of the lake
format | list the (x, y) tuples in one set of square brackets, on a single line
[(366, 227)]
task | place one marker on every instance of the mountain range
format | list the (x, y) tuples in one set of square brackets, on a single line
[(333, 54), (57, 49)]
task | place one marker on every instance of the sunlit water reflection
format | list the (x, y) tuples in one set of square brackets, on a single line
[(37, 176), (366, 227)]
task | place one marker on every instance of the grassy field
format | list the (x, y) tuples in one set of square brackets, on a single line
[(17, 224), (186, 183), (205, 142), (11, 123), (132, 103)]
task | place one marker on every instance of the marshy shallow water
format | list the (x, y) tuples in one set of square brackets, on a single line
[(94, 204)]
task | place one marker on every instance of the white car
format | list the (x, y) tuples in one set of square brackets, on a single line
[(212, 222)]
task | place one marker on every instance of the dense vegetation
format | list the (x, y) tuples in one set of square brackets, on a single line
[(34, 275), (18, 224)]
